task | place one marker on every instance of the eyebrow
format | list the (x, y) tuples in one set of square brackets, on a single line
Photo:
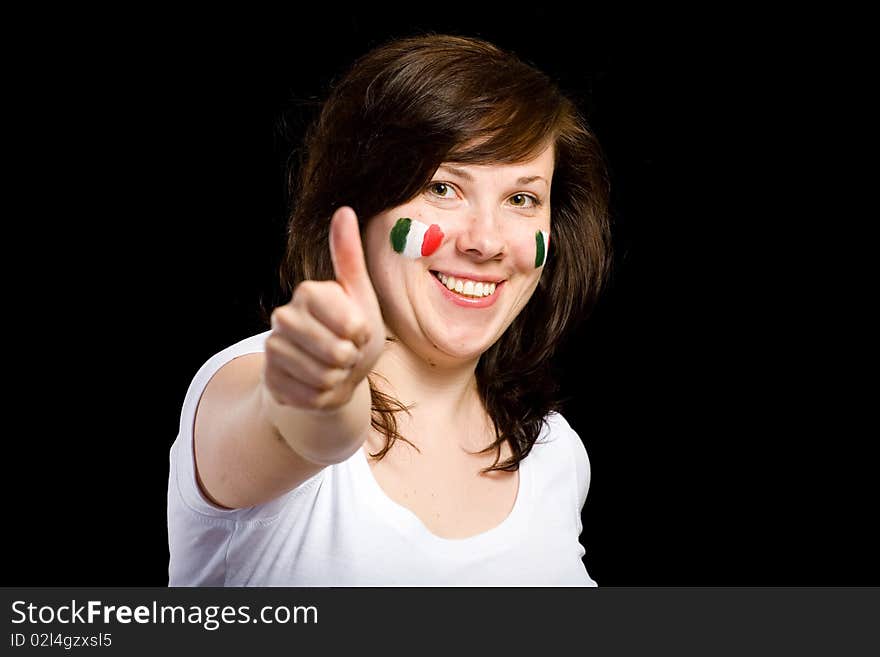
[(525, 180), (461, 173)]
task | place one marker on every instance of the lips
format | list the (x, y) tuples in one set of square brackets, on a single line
[(467, 301), (476, 278), (467, 287)]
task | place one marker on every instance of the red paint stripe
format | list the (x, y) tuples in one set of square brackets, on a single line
[(433, 237)]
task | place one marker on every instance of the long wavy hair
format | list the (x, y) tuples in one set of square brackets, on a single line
[(402, 110)]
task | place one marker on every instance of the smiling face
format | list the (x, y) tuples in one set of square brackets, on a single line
[(455, 301)]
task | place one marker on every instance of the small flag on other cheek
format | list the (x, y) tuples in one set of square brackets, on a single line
[(542, 243), (414, 239)]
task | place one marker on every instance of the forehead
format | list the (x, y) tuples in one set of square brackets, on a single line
[(540, 167)]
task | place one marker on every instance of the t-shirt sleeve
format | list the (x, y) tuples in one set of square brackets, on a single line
[(582, 465), (580, 460), (183, 485)]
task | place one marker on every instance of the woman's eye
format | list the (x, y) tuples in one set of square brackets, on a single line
[(442, 190), (524, 201)]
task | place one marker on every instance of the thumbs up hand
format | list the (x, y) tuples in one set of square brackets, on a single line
[(325, 341)]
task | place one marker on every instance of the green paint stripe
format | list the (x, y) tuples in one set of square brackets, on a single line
[(399, 233), (539, 249)]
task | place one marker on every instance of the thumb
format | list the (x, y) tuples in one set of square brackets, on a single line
[(347, 254)]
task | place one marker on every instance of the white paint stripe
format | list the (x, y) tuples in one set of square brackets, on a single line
[(546, 236), (414, 239)]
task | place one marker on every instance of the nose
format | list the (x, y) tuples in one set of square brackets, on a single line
[(481, 237)]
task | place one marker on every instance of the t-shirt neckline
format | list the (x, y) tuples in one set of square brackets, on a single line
[(407, 522)]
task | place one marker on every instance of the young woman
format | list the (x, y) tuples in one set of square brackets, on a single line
[(398, 425)]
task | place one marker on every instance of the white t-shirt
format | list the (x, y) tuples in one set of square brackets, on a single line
[(339, 528)]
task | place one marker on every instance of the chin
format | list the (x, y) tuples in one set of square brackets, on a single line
[(462, 348)]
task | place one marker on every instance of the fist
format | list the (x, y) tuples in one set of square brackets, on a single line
[(328, 337)]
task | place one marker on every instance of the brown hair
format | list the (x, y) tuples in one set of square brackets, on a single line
[(401, 111)]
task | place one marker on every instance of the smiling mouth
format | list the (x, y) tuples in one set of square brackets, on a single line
[(466, 287)]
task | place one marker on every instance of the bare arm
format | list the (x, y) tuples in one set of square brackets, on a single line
[(242, 455), (269, 421)]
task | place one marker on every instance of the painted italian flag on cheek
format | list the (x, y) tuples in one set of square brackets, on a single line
[(414, 239), (542, 243)]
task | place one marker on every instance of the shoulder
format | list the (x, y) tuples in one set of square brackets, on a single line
[(255, 344), (228, 360), (557, 429), (218, 381), (567, 446)]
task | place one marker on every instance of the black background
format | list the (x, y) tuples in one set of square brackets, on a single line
[(713, 387)]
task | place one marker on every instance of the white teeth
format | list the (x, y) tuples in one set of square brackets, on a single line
[(467, 287)]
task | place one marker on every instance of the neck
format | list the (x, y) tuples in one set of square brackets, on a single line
[(444, 392)]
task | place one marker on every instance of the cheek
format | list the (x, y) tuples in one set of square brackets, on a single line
[(542, 247), (415, 239), (530, 249)]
